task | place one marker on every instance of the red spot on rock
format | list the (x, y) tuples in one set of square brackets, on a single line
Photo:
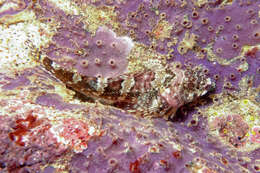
[(164, 164), (76, 132), (134, 167), (224, 161), (207, 170), (252, 52), (23, 127), (176, 154)]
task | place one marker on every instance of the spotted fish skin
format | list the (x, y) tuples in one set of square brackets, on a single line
[(147, 93)]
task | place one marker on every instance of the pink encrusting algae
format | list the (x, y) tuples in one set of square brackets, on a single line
[(131, 86), (255, 135)]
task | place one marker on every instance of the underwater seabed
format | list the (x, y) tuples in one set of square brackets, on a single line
[(129, 86)]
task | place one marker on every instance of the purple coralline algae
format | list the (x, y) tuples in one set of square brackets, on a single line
[(131, 86), (197, 32), (87, 138), (104, 55)]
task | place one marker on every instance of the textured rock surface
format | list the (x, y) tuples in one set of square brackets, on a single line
[(79, 123), (58, 135)]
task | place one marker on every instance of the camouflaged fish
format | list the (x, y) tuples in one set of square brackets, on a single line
[(148, 93)]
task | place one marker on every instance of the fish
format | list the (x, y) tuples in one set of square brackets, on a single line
[(147, 93)]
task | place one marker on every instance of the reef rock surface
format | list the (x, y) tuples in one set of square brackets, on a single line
[(138, 86)]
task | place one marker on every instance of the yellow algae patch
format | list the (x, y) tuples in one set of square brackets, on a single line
[(67, 6), (64, 92), (246, 86), (213, 57), (94, 17), (17, 18), (246, 108), (162, 30), (141, 57), (242, 66), (200, 3), (5, 6), (187, 43), (23, 38)]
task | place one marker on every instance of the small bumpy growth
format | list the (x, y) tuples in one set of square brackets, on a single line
[(107, 55), (101, 55), (234, 32)]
